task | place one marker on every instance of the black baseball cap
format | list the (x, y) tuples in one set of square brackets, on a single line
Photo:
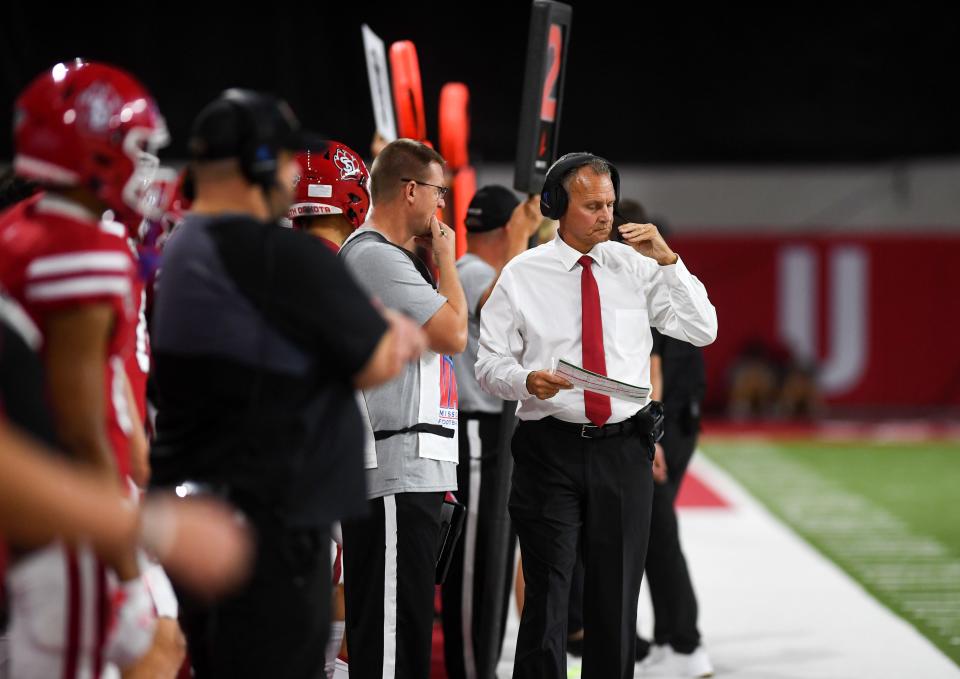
[(240, 119), (490, 208)]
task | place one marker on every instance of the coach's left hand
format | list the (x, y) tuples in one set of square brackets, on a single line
[(660, 466)]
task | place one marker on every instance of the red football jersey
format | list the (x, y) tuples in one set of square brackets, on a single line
[(55, 255), (137, 359)]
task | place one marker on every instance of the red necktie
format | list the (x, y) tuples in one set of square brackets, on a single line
[(597, 406)]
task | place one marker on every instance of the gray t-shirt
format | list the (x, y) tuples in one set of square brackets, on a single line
[(475, 277), (388, 275)]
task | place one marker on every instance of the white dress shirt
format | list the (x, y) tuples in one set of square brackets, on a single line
[(533, 317)]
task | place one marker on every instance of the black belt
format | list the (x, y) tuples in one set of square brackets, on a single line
[(648, 421), (592, 431)]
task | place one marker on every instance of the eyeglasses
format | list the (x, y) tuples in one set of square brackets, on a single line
[(441, 190)]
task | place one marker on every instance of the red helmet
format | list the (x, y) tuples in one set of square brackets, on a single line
[(182, 200), (333, 181), (167, 201), (163, 191), (90, 125)]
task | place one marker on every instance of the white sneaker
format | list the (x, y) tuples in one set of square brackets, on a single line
[(695, 665), (657, 663), (340, 669)]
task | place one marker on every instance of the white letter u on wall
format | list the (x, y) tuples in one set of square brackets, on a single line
[(847, 318)]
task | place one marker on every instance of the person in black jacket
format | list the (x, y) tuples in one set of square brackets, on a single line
[(260, 338)]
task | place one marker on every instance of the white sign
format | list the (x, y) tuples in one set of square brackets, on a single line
[(379, 77)]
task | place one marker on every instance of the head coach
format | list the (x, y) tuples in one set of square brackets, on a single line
[(583, 460)]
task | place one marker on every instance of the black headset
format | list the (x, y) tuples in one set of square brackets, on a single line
[(257, 141), (553, 197), (248, 125)]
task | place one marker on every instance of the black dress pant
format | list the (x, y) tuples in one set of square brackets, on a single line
[(389, 575), (671, 591), (674, 602), (465, 599), (599, 491), (277, 625)]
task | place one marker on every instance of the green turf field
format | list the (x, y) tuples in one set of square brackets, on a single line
[(888, 514)]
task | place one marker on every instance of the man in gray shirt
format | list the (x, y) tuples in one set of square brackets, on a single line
[(499, 228), (390, 556)]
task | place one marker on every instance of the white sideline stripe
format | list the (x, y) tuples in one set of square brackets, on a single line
[(872, 543), (78, 287), (772, 606), (390, 587), (469, 550), (856, 527), (56, 265)]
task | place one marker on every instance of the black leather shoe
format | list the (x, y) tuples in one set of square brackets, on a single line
[(643, 648), (575, 647)]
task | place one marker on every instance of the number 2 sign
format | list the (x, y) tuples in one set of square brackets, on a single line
[(542, 93)]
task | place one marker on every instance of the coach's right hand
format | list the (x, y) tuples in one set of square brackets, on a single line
[(444, 241), (544, 384)]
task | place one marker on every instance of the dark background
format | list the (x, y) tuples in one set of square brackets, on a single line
[(677, 84)]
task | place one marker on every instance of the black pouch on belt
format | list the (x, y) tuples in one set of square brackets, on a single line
[(649, 421)]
